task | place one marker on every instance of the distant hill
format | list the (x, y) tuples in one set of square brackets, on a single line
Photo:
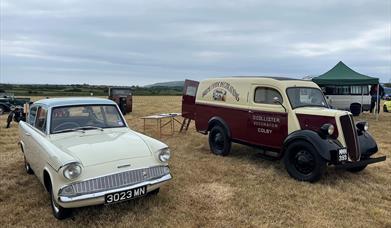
[(167, 84)]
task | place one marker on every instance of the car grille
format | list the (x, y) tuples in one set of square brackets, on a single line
[(350, 135), (119, 180)]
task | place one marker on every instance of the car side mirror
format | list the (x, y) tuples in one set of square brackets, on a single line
[(276, 100)]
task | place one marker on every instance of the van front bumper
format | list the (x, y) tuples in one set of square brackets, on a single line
[(349, 165), (99, 197)]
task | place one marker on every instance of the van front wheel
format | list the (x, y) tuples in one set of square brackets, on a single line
[(219, 142), (303, 162)]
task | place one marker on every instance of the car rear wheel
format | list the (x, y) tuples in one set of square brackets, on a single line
[(27, 166), (219, 142), (303, 162), (58, 211)]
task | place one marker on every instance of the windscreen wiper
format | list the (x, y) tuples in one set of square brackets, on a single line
[(88, 128), (79, 129)]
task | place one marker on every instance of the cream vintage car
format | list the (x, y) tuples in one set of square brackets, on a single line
[(83, 152)]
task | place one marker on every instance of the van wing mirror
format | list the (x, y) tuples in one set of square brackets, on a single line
[(276, 100)]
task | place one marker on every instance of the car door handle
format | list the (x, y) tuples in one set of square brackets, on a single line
[(249, 111), (28, 134)]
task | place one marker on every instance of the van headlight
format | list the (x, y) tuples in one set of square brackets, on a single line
[(164, 154), (72, 171), (327, 129)]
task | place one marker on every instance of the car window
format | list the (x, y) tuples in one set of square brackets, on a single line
[(40, 122), (265, 95), (32, 115)]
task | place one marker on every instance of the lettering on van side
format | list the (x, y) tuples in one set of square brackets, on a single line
[(223, 85), (265, 123)]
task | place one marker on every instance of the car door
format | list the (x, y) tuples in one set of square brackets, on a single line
[(25, 134), (267, 122), (38, 138)]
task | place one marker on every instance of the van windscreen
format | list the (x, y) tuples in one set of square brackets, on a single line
[(306, 96)]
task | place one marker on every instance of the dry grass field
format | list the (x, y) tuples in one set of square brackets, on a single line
[(240, 190)]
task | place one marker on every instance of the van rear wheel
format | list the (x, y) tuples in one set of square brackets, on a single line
[(303, 162), (219, 142)]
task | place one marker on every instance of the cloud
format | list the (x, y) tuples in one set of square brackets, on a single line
[(138, 42)]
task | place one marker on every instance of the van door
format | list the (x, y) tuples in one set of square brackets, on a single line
[(267, 123), (188, 99)]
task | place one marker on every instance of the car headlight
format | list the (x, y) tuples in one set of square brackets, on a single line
[(327, 129), (72, 171), (362, 126), (164, 154)]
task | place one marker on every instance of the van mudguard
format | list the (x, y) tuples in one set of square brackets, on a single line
[(218, 120), (326, 147)]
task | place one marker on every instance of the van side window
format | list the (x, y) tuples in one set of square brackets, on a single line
[(32, 115), (191, 91), (266, 95), (40, 122)]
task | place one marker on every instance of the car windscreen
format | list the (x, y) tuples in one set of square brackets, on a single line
[(85, 117), (306, 96)]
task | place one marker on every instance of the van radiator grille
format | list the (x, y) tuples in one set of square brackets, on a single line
[(350, 135), (119, 180)]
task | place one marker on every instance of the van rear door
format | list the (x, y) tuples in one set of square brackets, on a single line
[(188, 99)]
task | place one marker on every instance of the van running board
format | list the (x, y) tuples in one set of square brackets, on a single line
[(267, 155)]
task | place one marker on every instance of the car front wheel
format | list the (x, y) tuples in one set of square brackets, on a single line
[(219, 142), (303, 162), (58, 211)]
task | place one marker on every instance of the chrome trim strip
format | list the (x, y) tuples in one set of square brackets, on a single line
[(66, 199)]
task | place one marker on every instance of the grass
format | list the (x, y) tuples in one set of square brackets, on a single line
[(240, 190)]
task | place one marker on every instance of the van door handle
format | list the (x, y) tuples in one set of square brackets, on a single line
[(28, 134)]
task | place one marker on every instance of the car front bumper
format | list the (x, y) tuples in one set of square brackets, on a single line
[(99, 197)]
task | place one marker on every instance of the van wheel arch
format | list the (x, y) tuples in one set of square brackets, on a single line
[(322, 146), (219, 121)]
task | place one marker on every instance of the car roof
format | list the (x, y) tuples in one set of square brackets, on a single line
[(55, 102)]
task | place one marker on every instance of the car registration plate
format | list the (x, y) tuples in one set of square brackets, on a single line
[(342, 154), (125, 195)]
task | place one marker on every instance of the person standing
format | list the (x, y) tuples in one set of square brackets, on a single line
[(375, 97)]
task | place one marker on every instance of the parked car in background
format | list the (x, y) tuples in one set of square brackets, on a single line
[(387, 94), (8, 102), (387, 106), (290, 119), (83, 152)]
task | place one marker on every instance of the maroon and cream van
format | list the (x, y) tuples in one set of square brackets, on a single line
[(288, 118)]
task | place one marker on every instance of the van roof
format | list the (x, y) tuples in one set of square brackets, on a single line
[(270, 77)]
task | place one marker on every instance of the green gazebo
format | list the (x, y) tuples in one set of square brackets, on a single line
[(341, 74)]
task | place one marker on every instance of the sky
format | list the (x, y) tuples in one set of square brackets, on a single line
[(126, 42)]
